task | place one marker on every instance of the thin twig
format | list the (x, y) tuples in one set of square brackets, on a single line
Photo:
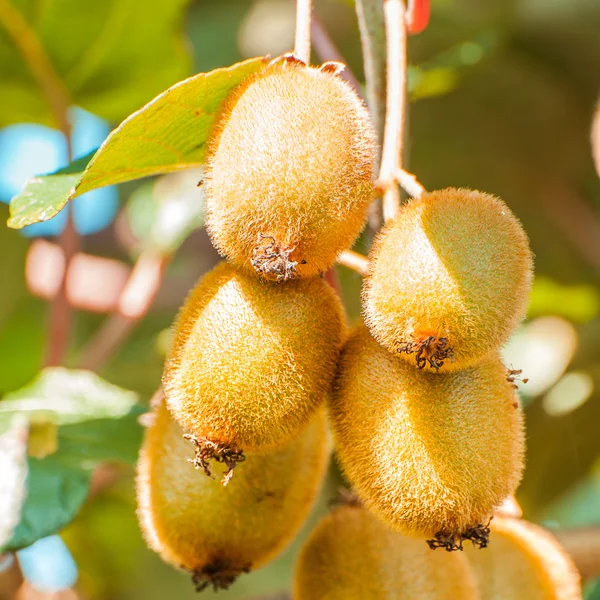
[(57, 95), (135, 301), (327, 51), (60, 308), (393, 137), (302, 41), (409, 183), (372, 37), (59, 329), (355, 261)]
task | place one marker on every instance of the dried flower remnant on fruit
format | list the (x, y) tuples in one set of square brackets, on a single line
[(273, 261), (449, 279), (290, 164), (428, 350), (207, 451), (219, 575), (450, 541), (514, 375)]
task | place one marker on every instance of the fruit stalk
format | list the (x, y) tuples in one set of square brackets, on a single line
[(355, 261), (302, 41), (370, 22), (393, 136)]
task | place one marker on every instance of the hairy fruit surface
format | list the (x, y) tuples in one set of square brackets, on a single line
[(351, 555), (290, 171), (252, 360), (524, 561), (217, 533), (432, 454), (449, 280)]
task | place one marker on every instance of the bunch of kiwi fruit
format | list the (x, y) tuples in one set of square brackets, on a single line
[(426, 423)]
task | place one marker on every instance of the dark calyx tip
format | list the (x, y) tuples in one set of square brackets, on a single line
[(207, 450), (272, 259), (451, 542), (218, 574), (429, 350)]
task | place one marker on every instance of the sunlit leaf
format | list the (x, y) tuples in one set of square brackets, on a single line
[(65, 397), (168, 134)]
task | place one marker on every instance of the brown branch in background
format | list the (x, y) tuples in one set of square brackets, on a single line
[(60, 308), (393, 136), (595, 137), (372, 37), (355, 261), (57, 95), (583, 545), (302, 40), (327, 51), (135, 301)]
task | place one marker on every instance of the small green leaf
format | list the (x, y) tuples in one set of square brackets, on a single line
[(162, 213), (55, 493), (102, 439), (13, 466), (168, 134), (64, 396), (43, 195)]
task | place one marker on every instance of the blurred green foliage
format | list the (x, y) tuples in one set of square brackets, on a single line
[(503, 93)]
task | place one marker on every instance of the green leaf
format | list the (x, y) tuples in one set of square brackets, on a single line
[(162, 213), (168, 134), (55, 493), (96, 422), (102, 439), (42, 195), (63, 397), (13, 466), (108, 57)]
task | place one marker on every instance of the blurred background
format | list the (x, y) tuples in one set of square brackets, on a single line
[(503, 95)]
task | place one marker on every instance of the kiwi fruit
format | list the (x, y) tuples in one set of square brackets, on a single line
[(289, 171), (251, 361), (217, 533), (430, 453), (524, 562), (449, 279), (351, 555)]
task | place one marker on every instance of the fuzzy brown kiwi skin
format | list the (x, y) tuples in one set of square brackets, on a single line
[(351, 555), (449, 279), (287, 212), (431, 454), (524, 561), (216, 533), (251, 361)]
